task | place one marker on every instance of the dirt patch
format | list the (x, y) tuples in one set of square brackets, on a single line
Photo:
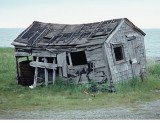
[(148, 110)]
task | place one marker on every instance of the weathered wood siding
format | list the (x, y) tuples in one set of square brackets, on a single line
[(133, 50), (96, 56)]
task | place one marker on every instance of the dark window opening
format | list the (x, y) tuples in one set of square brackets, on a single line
[(118, 53), (40, 59), (78, 58), (67, 58), (49, 59)]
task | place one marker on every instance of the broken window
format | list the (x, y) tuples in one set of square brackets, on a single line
[(118, 52), (78, 58)]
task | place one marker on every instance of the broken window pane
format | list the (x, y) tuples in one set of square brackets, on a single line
[(78, 58)]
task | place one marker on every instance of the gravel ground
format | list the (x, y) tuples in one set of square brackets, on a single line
[(148, 110)]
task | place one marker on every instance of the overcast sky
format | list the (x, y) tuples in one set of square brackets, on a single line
[(21, 13)]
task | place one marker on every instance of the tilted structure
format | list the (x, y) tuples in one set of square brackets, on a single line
[(111, 50)]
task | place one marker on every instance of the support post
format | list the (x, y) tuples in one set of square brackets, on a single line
[(70, 60), (46, 72), (17, 67), (54, 71), (36, 74), (60, 71)]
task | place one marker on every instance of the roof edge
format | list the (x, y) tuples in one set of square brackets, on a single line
[(134, 26)]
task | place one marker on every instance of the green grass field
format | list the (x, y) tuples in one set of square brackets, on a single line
[(60, 97)]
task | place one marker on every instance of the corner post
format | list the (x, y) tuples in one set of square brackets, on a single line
[(17, 67)]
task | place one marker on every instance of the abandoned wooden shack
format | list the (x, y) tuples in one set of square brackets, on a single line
[(111, 51)]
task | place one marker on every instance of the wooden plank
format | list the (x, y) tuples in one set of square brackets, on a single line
[(43, 54), (18, 44), (51, 50), (62, 62), (91, 43), (82, 41), (54, 72), (36, 74), (43, 65), (93, 47), (115, 31), (60, 59), (107, 58), (78, 79), (96, 54), (95, 51), (17, 68), (100, 69), (84, 79), (77, 67), (93, 76), (98, 79), (46, 72), (98, 74), (22, 54), (34, 42), (99, 63), (106, 68), (64, 69), (24, 32), (70, 60), (60, 71)]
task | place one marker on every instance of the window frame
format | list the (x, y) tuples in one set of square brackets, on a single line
[(114, 55)]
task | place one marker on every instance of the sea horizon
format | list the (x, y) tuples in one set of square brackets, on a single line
[(152, 39)]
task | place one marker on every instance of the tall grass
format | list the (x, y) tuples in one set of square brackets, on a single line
[(64, 95), (7, 67)]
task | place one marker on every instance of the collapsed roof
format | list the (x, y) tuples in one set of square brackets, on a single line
[(47, 34)]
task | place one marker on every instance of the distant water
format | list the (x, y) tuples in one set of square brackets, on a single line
[(152, 39), (152, 42), (7, 35)]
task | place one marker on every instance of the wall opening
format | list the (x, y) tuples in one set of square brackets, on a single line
[(78, 58), (118, 51), (67, 58)]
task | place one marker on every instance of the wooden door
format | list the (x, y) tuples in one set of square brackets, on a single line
[(133, 57)]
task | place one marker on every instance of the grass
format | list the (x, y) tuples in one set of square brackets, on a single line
[(64, 96)]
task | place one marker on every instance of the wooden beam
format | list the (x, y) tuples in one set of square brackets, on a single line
[(46, 72), (22, 54), (18, 44), (54, 72), (44, 54), (93, 47), (70, 60), (43, 65), (38, 36), (60, 71), (36, 74), (64, 68), (17, 67), (92, 43)]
